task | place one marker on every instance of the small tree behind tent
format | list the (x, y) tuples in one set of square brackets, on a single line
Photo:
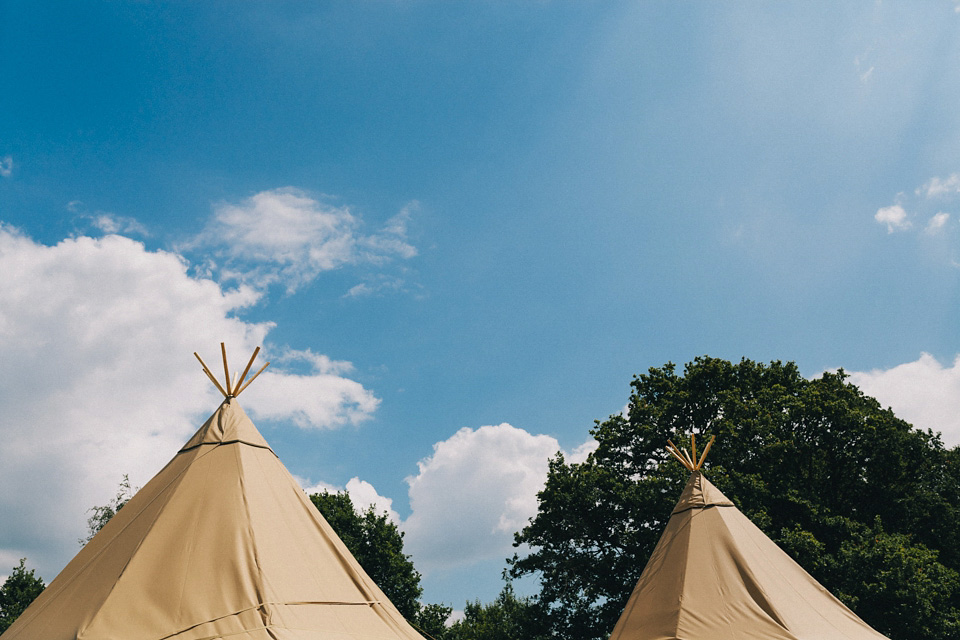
[(221, 543), (715, 576)]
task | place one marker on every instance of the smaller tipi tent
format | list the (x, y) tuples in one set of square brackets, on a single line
[(221, 543), (715, 576)]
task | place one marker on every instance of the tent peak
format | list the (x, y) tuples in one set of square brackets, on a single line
[(234, 389), (689, 458)]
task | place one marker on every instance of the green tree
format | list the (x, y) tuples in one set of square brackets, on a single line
[(866, 503), (17, 592), (377, 544), (102, 514), (432, 619), (509, 617)]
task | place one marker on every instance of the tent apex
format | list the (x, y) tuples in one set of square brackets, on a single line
[(684, 457), (235, 388)]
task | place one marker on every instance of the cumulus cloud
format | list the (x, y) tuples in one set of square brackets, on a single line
[(476, 489), (937, 222), (363, 495), (580, 453), (289, 237), (894, 216), (924, 393), (6, 166), (468, 498), (98, 379)]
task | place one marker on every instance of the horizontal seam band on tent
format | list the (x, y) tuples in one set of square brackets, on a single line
[(217, 444), (263, 604), (700, 506)]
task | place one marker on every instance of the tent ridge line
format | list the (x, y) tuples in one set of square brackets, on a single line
[(260, 583)]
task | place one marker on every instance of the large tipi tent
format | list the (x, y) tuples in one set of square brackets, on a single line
[(221, 543), (715, 576)]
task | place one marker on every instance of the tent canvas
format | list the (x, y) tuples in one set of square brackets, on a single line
[(714, 575), (221, 543)]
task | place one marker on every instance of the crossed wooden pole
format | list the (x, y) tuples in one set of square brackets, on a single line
[(233, 389), (685, 458)]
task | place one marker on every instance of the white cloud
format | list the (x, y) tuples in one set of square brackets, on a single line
[(580, 453), (362, 494), (310, 487), (473, 493), (285, 236), (923, 392), (317, 400), (894, 217), (99, 379), (6, 166), (938, 188), (937, 222)]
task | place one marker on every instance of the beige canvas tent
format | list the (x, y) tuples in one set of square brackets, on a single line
[(221, 543), (715, 576)]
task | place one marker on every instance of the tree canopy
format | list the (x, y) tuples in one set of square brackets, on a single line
[(508, 617), (377, 544), (17, 592), (864, 502)]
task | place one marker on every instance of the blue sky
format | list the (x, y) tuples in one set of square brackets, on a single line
[(458, 230)]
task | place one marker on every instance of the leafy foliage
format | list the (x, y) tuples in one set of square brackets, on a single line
[(867, 504), (103, 514), (377, 544), (507, 618), (17, 592), (432, 620)]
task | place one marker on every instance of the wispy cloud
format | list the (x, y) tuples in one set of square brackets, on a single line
[(377, 285), (112, 223), (937, 222), (863, 67), (105, 222), (285, 236), (939, 187), (6, 166)]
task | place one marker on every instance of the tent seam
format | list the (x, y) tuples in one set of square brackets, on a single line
[(261, 580)]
